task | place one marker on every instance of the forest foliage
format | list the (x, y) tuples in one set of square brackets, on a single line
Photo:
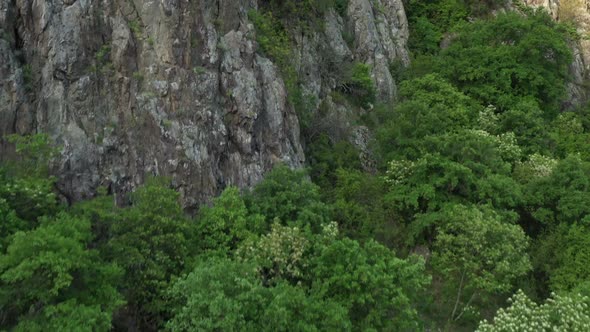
[(477, 216)]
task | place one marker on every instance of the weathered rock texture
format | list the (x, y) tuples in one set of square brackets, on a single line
[(131, 88), (577, 12)]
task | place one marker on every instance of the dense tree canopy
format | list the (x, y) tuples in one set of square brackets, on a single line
[(49, 279)]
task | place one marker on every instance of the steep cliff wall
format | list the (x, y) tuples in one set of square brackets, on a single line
[(173, 87)]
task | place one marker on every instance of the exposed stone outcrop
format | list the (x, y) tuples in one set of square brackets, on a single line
[(172, 87), (552, 6)]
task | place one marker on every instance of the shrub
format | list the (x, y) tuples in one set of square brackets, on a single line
[(357, 82)]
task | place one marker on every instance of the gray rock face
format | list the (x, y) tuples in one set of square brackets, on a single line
[(381, 32), (172, 87)]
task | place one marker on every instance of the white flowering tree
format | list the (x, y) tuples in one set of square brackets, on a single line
[(565, 313), (279, 254)]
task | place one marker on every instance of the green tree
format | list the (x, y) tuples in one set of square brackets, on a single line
[(563, 255), (49, 280), (478, 253), (569, 135), (469, 166), (429, 20), (425, 37), (562, 196), (26, 185), (33, 155), (429, 106), (153, 242), (512, 56), (525, 120), (289, 196), (361, 210), (224, 225), (357, 82), (10, 223), (285, 279), (103, 213), (325, 157), (30, 197), (228, 295), (378, 289)]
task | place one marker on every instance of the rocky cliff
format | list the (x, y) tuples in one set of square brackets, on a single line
[(179, 88)]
